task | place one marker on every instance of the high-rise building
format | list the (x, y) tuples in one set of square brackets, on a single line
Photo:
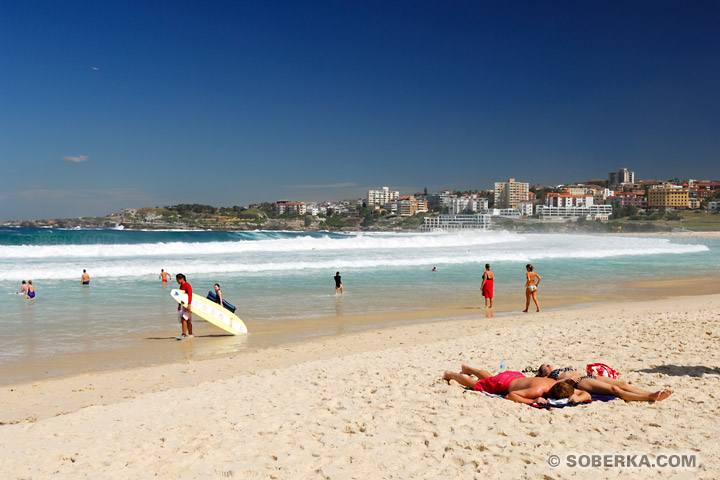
[(621, 177), (382, 197), (509, 194)]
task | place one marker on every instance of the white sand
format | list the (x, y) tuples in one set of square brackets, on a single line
[(372, 405)]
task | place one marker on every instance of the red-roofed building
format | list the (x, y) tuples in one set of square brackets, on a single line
[(565, 199)]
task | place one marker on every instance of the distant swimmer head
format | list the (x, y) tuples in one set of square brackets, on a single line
[(23, 282), (529, 267)]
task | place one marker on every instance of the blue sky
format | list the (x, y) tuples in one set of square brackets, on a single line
[(105, 105)]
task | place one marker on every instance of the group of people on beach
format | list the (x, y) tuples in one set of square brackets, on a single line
[(550, 383), (532, 280)]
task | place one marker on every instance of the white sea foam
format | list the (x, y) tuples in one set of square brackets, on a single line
[(362, 257), (298, 244)]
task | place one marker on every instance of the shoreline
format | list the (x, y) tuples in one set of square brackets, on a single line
[(347, 398), (268, 334), (434, 319)]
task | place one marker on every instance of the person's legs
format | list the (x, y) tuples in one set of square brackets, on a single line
[(341, 290), (184, 326), (527, 299), (491, 302), (468, 370), (464, 380), (189, 324), (598, 387), (534, 297), (627, 386)]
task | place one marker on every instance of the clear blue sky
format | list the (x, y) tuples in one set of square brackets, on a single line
[(110, 104)]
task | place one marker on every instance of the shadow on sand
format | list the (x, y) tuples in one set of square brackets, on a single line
[(219, 335), (682, 370)]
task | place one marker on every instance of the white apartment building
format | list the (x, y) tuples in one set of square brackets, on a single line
[(566, 199), (382, 197), (592, 212), (313, 209), (479, 221), (505, 212), (714, 207), (467, 204), (444, 198), (525, 208), (509, 194)]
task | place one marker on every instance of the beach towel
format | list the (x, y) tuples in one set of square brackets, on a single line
[(601, 370), (561, 402)]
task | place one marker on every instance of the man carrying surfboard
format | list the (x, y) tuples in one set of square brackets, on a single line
[(185, 315)]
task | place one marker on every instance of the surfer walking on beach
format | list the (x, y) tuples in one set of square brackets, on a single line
[(338, 283), (85, 278), (531, 284), (185, 314)]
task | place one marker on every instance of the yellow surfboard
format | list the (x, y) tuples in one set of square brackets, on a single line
[(212, 312)]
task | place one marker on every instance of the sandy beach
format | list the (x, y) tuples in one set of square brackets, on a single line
[(372, 405)]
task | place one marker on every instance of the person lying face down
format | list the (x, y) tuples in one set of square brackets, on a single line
[(516, 386), (601, 385)]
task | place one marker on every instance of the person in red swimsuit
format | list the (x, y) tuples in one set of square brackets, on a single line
[(515, 385), (164, 276), (488, 279), (185, 314)]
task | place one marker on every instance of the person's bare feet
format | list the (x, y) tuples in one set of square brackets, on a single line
[(465, 369), (661, 395), (525, 311)]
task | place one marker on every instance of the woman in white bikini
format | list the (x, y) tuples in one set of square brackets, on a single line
[(533, 280)]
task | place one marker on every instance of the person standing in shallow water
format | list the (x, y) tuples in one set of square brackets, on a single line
[(185, 311), (338, 283), (164, 276), (532, 280), (85, 278), (488, 280)]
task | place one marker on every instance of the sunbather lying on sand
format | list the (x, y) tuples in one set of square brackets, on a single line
[(516, 386), (602, 385)]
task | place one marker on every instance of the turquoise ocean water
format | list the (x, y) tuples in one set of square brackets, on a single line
[(277, 279)]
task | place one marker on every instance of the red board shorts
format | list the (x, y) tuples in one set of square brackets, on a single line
[(498, 384)]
